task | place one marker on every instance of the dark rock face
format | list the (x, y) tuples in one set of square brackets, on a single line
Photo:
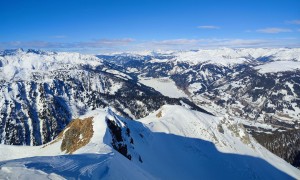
[(284, 144), (122, 141), (117, 139)]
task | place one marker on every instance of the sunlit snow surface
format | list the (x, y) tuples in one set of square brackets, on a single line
[(278, 66), (177, 144), (165, 86), (97, 160), (21, 65)]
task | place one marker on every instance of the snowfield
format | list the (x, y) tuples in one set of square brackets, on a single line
[(171, 143), (165, 86), (278, 66)]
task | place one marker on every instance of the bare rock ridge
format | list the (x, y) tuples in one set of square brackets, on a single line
[(76, 135)]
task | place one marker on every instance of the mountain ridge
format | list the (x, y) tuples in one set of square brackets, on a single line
[(42, 92), (153, 142)]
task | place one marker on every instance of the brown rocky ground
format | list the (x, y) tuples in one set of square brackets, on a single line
[(76, 135)]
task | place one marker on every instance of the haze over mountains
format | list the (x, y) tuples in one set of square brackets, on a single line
[(149, 114)]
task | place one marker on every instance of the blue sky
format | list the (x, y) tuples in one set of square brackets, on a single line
[(111, 25)]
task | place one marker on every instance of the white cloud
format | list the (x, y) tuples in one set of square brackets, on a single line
[(100, 43), (176, 42), (294, 22), (105, 42), (59, 37), (186, 44), (128, 44), (273, 30), (31, 44), (208, 27), (239, 42)]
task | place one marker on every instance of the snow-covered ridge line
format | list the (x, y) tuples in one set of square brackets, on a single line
[(227, 56), (222, 57), (278, 53), (19, 64), (195, 144)]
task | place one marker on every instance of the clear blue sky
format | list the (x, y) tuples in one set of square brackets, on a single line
[(111, 25)]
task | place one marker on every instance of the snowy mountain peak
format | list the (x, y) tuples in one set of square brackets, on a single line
[(18, 64), (10, 52), (37, 51)]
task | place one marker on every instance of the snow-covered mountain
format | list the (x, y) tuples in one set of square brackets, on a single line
[(173, 142), (259, 85), (42, 91), (191, 112)]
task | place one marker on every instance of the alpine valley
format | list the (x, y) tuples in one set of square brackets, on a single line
[(198, 114)]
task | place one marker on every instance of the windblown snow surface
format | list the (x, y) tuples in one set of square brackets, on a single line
[(172, 143)]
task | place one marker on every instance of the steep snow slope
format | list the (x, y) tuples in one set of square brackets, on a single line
[(96, 160), (171, 143), (210, 143)]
